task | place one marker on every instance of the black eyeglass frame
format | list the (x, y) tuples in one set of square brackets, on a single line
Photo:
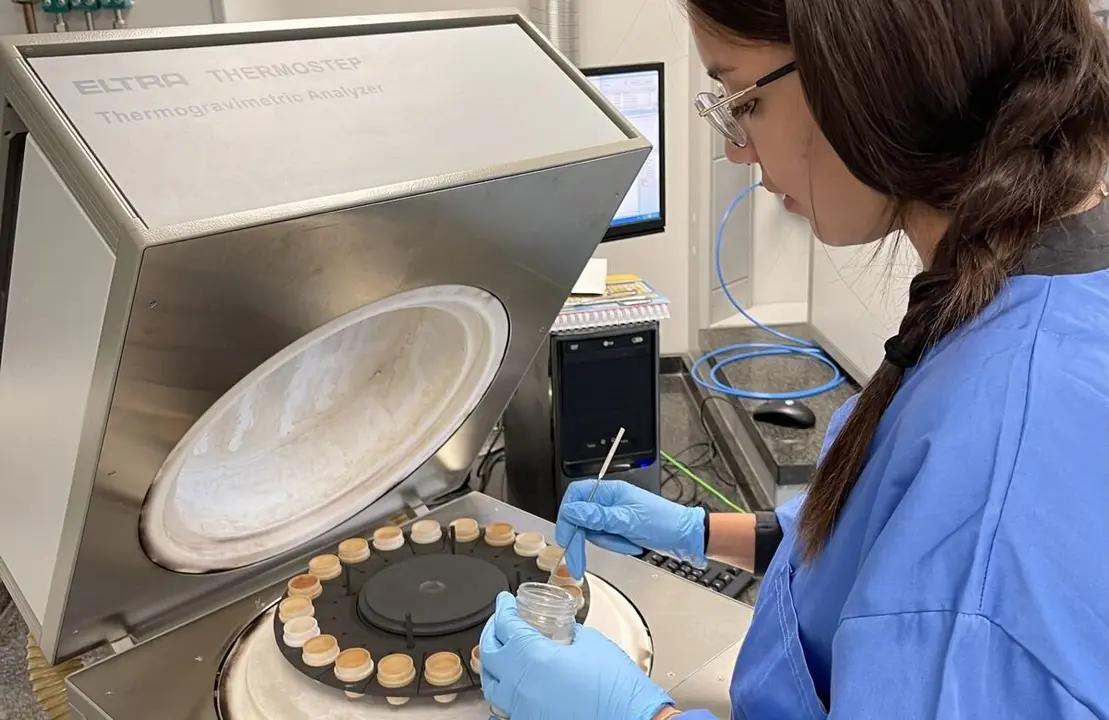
[(708, 105)]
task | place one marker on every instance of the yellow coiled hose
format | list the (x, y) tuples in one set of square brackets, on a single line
[(48, 681)]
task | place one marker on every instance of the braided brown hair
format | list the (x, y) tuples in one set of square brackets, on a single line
[(995, 112)]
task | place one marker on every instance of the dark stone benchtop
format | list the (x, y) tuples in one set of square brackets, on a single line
[(788, 454), (686, 439)]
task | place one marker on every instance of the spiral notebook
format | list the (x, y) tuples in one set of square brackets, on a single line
[(627, 300)]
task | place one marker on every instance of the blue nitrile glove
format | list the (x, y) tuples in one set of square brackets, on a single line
[(627, 519), (529, 677)]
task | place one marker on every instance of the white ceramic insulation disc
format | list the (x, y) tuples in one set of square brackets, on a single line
[(258, 683), (324, 428)]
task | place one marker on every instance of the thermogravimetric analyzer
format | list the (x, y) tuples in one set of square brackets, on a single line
[(266, 287)]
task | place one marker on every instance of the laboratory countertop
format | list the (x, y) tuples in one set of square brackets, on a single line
[(684, 437), (789, 454)]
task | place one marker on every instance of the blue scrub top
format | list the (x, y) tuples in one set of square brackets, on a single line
[(968, 575)]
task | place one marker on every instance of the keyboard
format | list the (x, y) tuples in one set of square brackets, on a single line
[(717, 577)]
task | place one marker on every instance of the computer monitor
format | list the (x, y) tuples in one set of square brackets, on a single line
[(636, 91)]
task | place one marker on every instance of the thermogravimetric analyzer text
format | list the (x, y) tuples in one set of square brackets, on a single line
[(163, 81)]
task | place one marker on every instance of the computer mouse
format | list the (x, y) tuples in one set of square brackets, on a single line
[(785, 413)]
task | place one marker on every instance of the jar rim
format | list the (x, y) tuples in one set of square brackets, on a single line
[(545, 597)]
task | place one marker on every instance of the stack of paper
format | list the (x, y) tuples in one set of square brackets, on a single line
[(627, 300)]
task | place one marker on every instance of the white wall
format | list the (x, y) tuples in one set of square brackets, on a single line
[(859, 296), (618, 32), (765, 251), (780, 267), (270, 9), (150, 13), (249, 10)]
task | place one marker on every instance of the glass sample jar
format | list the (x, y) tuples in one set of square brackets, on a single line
[(549, 609)]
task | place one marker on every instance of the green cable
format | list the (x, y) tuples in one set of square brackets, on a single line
[(690, 474)]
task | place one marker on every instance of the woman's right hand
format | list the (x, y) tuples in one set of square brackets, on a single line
[(627, 519), (528, 676)]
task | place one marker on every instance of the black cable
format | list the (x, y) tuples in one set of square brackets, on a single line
[(483, 473), (699, 463), (670, 476), (480, 473), (721, 470), (486, 476), (707, 461)]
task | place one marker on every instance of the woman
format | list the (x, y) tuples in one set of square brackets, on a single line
[(951, 558)]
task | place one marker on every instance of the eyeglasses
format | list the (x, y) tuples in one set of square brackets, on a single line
[(720, 113)]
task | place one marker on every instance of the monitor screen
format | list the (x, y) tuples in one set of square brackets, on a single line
[(636, 91)]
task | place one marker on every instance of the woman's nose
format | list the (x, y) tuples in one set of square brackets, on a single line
[(740, 155)]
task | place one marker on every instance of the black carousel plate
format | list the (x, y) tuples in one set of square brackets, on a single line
[(417, 600)]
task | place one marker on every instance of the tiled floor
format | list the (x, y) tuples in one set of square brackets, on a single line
[(16, 702)]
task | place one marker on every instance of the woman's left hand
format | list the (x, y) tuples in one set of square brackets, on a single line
[(530, 677)]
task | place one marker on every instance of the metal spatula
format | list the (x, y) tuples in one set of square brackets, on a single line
[(596, 484)]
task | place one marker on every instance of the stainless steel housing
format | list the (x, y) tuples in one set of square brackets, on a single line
[(195, 305)]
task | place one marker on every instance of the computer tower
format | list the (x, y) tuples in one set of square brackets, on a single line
[(582, 387)]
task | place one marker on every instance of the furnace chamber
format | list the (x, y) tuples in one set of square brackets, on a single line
[(324, 428)]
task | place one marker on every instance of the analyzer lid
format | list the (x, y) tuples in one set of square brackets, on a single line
[(250, 119)]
